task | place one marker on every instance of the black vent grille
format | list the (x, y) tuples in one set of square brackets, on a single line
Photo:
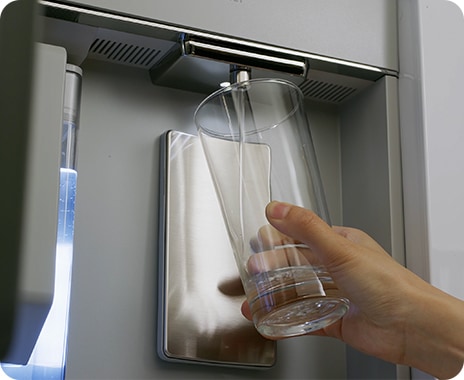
[(124, 53), (325, 91)]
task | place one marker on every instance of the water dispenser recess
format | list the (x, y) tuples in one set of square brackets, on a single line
[(199, 292), (145, 72), (373, 79)]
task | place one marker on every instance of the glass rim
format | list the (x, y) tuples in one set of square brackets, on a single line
[(233, 86)]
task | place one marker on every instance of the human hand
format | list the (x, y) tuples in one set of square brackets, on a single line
[(394, 314)]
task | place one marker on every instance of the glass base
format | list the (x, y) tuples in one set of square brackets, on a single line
[(302, 317)]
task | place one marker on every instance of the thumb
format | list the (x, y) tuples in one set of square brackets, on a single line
[(304, 225)]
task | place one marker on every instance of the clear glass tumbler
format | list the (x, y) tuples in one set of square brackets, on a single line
[(257, 142)]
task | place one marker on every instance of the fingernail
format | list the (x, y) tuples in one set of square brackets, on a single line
[(277, 210)]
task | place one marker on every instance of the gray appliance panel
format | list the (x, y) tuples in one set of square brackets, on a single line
[(200, 292)]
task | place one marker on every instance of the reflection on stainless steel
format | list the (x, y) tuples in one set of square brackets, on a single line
[(200, 293)]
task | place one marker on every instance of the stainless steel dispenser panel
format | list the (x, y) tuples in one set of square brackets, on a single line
[(200, 291)]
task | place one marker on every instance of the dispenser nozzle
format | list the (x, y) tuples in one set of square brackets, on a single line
[(239, 73)]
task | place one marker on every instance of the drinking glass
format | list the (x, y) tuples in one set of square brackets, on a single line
[(257, 143)]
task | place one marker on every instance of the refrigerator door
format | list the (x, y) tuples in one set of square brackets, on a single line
[(432, 120), (112, 331), (432, 131)]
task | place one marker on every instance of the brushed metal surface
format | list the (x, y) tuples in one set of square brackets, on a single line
[(200, 293)]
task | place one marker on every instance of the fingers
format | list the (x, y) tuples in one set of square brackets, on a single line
[(278, 258), (305, 226), (268, 238), (246, 311)]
